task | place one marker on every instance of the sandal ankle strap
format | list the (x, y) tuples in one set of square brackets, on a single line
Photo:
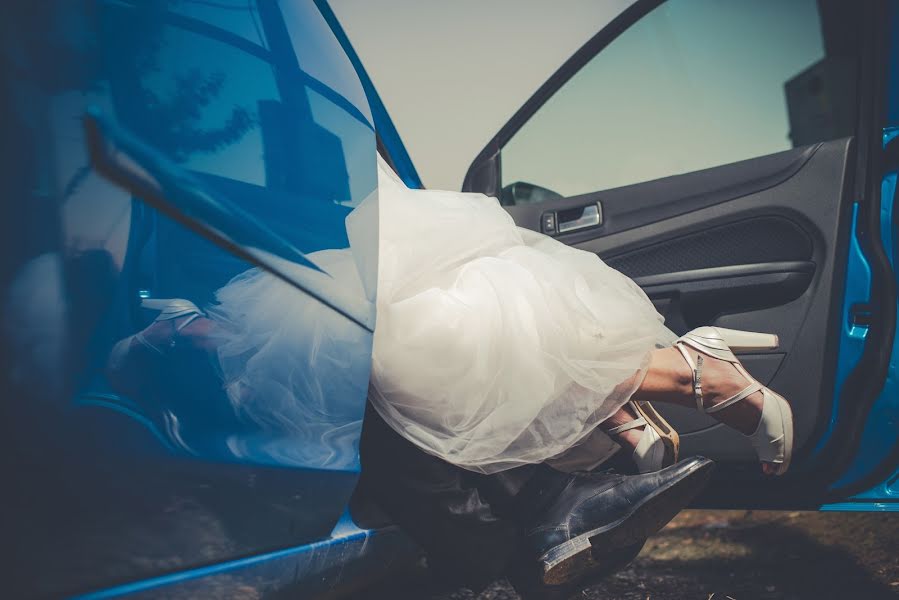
[(638, 422), (750, 389), (696, 367)]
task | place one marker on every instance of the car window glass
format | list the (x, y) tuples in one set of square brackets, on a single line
[(224, 93), (692, 85)]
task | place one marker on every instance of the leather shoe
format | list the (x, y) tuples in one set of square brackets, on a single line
[(599, 518)]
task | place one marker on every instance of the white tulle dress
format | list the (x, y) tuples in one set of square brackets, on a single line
[(494, 345)]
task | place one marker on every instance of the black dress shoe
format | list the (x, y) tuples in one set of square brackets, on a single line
[(599, 518)]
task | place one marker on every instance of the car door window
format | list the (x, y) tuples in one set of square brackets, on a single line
[(252, 105), (692, 85), (263, 111), (228, 107)]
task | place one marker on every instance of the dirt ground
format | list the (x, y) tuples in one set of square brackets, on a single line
[(739, 555)]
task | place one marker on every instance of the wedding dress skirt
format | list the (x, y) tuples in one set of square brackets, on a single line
[(494, 346)]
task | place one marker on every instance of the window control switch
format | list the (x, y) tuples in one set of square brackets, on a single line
[(548, 223)]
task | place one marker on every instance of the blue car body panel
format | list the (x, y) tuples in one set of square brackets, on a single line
[(130, 464), (348, 559)]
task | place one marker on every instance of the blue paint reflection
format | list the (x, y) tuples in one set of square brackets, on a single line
[(216, 104), (228, 434), (281, 371)]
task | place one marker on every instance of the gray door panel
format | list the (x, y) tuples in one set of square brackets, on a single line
[(746, 256)]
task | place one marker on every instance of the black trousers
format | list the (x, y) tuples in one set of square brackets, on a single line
[(469, 524)]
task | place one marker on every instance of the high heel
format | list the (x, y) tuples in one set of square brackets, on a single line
[(659, 443), (172, 308), (773, 438), (169, 308), (124, 366), (735, 340)]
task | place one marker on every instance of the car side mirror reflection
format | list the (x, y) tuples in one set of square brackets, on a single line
[(521, 192)]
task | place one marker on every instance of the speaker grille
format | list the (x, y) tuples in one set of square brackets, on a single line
[(758, 240)]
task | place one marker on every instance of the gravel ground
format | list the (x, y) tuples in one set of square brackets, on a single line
[(739, 555)]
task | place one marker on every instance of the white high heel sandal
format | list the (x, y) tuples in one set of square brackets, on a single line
[(659, 443), (773, 439), (118, 360), (169, 309)]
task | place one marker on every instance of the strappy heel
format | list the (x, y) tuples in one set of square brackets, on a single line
[(125, 368), (659, 444), (169, 309), (773, 438)]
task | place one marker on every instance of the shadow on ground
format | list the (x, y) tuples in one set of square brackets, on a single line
[(739, 555)]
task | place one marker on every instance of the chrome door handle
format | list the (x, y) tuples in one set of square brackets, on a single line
[(572, 219), (591, 216)]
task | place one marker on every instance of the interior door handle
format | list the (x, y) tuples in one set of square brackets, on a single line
[(572, 219)]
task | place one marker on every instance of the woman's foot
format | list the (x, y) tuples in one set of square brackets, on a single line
[(180, 323), (649, 439), (721, 380), (721, 387), (628, 438), (195, 330)]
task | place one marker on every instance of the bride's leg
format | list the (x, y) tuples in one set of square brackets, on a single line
[(669, 379)]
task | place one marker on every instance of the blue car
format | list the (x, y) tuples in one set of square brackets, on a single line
[(736, 159)]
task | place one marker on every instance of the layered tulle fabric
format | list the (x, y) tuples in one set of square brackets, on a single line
[(496, 346), (293, 366)]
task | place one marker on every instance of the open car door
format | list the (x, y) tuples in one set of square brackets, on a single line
[(729, 157)]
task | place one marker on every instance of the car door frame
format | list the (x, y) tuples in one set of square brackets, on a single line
[(875, 160), (390, 144)]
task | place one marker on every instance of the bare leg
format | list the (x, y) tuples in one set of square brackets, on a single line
[(669, 379)]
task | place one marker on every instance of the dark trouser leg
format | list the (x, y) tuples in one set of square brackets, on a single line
[(443, 507)]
